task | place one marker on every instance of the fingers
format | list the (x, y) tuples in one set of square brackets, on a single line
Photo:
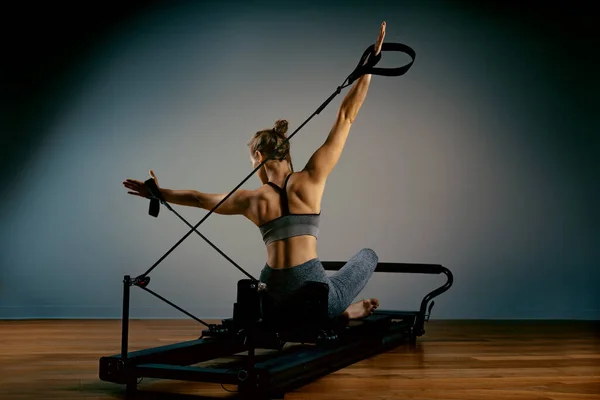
[(131, 184), (380, 38), (138, 195)]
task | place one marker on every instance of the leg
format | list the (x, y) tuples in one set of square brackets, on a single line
[(348, 282)]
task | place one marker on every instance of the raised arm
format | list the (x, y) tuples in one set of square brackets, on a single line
[(323, 161)]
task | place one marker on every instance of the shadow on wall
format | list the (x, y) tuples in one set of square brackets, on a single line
[(472, 160)]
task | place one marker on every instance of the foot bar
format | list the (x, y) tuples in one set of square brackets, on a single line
[(393, 267), (409, 269)]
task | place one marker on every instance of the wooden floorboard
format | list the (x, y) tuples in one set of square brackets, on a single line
[(458, 360)]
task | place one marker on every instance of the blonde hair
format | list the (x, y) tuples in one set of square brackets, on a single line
[(267, 140)]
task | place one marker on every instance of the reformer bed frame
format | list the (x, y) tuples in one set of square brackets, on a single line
[(260, 321)]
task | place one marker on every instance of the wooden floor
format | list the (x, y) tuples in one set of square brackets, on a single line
[(459, 360)]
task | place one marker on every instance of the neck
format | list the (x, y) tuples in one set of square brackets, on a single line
[(277, 171)]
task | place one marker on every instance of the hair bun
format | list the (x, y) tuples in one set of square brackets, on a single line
[(281, 127)]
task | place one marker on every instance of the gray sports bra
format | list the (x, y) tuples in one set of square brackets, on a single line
[(289, 225)]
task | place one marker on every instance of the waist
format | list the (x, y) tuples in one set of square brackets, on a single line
[(313, 262), (292, 278), (291, 252)]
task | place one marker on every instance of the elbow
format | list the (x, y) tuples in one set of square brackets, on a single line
[(346, 115), (197, 200)]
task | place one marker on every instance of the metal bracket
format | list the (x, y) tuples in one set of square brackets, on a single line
[(429, 311)]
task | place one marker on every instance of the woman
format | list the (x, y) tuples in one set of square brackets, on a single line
[(286, 208)]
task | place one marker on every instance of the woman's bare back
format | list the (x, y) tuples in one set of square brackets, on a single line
[(304, 197)]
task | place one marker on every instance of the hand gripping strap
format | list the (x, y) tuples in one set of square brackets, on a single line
[(371, 61), (155, 197)]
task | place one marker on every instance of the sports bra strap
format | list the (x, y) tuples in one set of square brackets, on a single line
[(274, 186), (284, 197), (285, 208)]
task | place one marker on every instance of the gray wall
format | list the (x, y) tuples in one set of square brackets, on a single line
[(483, 158)]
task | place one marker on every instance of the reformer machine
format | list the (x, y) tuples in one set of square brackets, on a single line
[(260, 321), (301, 342)]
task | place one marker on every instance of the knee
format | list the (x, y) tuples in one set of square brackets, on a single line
[(369, 254)]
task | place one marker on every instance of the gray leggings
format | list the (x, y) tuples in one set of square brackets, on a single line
[(344, 285)]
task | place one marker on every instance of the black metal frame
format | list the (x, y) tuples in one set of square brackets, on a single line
[(336, 345)]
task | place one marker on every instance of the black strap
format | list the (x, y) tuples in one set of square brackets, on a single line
[(283, 198), (362, 69), (274, 186), (285, 204), (369, 68), (155, 197), (287, 178), (371, 61)]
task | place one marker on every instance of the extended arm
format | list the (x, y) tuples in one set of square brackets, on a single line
[(237, 203), (326, 157)]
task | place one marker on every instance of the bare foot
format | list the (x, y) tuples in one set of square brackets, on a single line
[(361, 309)]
